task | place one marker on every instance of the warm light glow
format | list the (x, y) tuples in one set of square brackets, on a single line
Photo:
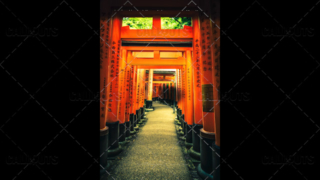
[(164, 70), (171, 55), (143, 54)]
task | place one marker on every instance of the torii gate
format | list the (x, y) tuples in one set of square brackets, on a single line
[(123, 77)]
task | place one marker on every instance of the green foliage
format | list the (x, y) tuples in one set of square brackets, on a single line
[(166, 22), (137, 23), (175, 22)]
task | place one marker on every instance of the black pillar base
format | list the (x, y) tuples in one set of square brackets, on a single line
[(141, 115), (136, 127), (181, 118), (195, 156), (203, 174), (149, 104), (132, 119), (195, 149), (176, 121), (128, 128), (144, 112), (182, 121), (205, 167), (182, 131), (104, 135), (122, 134), (188, 133), (216, 162), (137, 117), (115, 148)]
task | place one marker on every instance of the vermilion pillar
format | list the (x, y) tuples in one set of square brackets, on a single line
[(174, 85), (164, 92), (183, 99), (169, 93), (160, 92), (179, 99), (133, 98), (150, 85), (177, 86), (173, 93), (113, 85), (215, 31), (183, 91), (189, 99), (146, 91), (178, 90), (122, 97), (137, 101), (142, 94), (207, 132), (156, 91), (207, 76), (197, 66), (216, 68), (128, 98)]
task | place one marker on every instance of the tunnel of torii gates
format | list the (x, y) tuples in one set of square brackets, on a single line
[(130, 83)]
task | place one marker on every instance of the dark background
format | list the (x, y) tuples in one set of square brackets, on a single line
[(50, 79)]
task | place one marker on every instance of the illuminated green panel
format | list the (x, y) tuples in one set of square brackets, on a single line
[(138, 22), (175, 22)]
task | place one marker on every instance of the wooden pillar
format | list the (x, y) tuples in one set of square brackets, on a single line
[(197, 72), (150, 84), (133, 98), (114, 71), (105, 39), (127, 97), (195, 150), (207, 133), (122, 87), (143, 87), (188, 99), (215, 31), (169, 93), (150, 89), (112, 120), (207, 76), (178, 89), (122, 97), (137, 84), (183, 80), (160, 92)]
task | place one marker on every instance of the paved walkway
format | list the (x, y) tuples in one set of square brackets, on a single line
[(155, 153)]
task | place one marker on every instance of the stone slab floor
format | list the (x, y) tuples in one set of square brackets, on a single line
[(155, 153)]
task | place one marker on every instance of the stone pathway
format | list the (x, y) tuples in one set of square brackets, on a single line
[(155, 153)]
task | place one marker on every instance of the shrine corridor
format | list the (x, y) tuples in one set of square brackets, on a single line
[(155, 152)]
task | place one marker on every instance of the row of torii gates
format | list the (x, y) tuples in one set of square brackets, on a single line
[(127, 90)]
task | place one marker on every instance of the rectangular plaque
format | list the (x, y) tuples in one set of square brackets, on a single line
[(207, 98)]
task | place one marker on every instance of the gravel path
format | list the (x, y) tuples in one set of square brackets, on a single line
[(155, 154)]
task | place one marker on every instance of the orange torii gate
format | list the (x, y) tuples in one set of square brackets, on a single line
[(123, 80)]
